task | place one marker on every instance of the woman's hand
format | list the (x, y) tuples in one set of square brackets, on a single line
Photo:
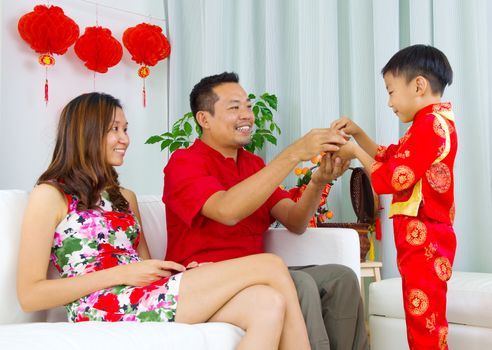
[(194, 264), (145, 272)]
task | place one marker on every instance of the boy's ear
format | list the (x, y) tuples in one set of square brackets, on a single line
[(202, 119), (421, 85)]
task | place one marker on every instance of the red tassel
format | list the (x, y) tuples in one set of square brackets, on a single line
[(46, 90), (379, 233), (144, 95)]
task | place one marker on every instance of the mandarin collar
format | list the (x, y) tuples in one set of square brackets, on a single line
[(434, 108), (203, 146)]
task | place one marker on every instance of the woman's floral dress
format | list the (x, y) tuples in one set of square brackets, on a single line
[(92, 240)]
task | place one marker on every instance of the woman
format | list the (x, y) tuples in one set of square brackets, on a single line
[(79, 217)]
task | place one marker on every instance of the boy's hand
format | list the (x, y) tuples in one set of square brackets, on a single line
[(346, 152), (346, 126)]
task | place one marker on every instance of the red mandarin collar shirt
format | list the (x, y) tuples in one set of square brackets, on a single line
[(191, 176)]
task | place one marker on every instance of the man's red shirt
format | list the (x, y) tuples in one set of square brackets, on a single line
[(191, 176)]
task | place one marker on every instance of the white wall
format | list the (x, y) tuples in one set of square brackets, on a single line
[(27, 125)]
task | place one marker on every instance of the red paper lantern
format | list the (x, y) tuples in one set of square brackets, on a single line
[(98, 49), (48, 31), (147, 45)]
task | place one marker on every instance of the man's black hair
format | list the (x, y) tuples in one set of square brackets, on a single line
[(423, 60), (203, 98)]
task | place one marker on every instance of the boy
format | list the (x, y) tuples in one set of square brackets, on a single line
[(418, 171)]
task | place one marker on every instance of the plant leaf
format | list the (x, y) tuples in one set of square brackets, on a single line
[(256, 109), (153, 139), (188, 129), (174, 146), (250, 147), (271, 100), (270, 138), (166, 143), (267, 113)]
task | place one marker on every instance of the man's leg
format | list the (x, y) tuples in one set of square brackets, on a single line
[(307, 291), (343, 311)]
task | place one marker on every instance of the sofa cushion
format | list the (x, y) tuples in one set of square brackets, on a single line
[(153, 217), (390, 334), (119, 335), (12, 205), (469, 299)]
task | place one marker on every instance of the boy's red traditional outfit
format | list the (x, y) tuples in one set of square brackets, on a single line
[(418, 171)]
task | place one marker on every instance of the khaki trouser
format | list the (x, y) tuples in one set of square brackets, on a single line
[(330, 301)]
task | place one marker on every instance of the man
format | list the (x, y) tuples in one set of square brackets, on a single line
[(221, 199)]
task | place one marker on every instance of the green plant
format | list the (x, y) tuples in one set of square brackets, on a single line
[(181, 134)]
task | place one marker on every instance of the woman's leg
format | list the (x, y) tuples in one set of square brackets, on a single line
[(260, 311), (205, 290)]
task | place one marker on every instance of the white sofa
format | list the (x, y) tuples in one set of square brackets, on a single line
[(50, 329), (469, 313)]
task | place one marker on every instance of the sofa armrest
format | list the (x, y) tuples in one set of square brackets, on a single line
[(316, 246)]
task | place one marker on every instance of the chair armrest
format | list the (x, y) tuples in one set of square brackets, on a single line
[(316, 246)]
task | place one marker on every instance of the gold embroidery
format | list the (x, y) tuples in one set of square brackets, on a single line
[(404, 139), (451, 128), (443, 268), (439, 177), (443, 338), (440, 119), (381, 151), (403, 155), (430, 250), (438, 130), (440, 150), (416, 233), (452, 213), (430, 323), (418, 302), (411, 206), (403, 178)]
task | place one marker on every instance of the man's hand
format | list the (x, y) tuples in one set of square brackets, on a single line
[(347, 126), (329, 169), (316, 142)]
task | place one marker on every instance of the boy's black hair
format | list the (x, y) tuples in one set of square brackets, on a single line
[(203, 98), (424, 60)]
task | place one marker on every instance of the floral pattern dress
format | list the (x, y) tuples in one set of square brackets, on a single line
[(93, 240)]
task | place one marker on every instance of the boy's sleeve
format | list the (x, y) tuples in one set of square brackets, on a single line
[(416, 152), (383, 153), (187, 186)]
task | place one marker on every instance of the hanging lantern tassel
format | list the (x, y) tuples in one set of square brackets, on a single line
[(379, 234), (48, 31), (143, 73), (147, 45), (46, 60), (46, 91), (371, 255)]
